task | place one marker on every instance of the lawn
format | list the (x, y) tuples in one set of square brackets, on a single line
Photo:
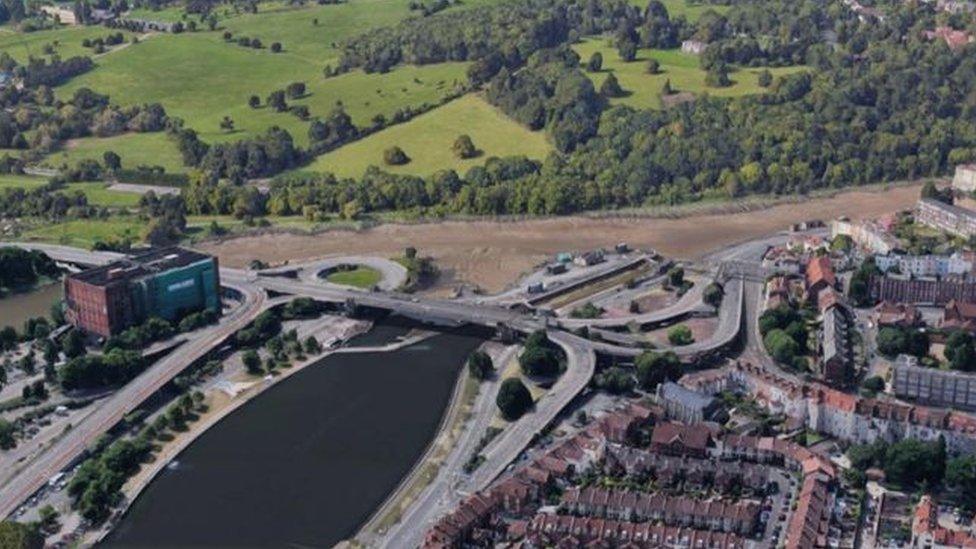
[(83, 233), (10, 181), (427, 140), (66, 41), (223, 75), (680, 68), (98, 194), (681, 7), (360, 277), (135, 149)]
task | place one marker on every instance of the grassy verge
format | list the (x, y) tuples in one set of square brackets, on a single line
[(360, 277)]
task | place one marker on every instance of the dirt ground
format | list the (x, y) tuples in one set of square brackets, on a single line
[(492, 254)]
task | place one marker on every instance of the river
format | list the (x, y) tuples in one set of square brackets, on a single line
[(307, 462), (16, 308)]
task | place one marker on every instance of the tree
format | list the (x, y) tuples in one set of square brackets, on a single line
[(873, 384), (667, 89), (892, 341), (676, 277), (7, 440), (295, 90), (960, 479), (312, 346), (595, 64), (394, 156), (718, 76), (680, 335), (112, 161), (611, 87), (960, 351), (464, 147), (713, 295), (227, 124), (16, 535), (276, 47), (653, 368), (781, 346), (254, 101), (513, 399), (480, 365), (615, 380), (539, 361), (765, 78), (653, 66), (627, 50), (252, 362), (276, 100)]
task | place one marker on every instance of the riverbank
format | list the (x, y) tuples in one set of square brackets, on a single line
[(492, 254)]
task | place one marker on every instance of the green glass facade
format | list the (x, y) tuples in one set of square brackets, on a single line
[(174, 293)]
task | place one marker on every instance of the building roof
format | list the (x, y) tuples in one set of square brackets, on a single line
[(686, 397), (820, 270), (690, 436), (151, 262)]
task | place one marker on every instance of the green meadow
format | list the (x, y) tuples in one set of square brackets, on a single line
[(427, 140), (135, 149), (682, 69), (65, 41), (224, 75)]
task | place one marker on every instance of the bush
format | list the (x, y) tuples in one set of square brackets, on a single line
[(480, 365), (513, 399), (394, 156), (680, 335)]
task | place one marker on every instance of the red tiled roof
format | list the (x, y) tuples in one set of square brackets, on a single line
[(819, 269), (690, 436)]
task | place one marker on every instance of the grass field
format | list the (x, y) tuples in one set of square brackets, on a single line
[(66, 41), (680, 68), (219, 83), (8, 181), (360, 277), (136, 149), (83, 233), (681, 7), (97, 192), (427, 140)]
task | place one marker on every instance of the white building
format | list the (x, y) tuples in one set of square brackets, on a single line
[(965, 178), (925, 265)]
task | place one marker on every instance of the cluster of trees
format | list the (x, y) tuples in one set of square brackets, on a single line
[(615, 380), (99, 44), (540, 356), (115, 367), (19, 267), (550, 92), (785, 335), (492, 36), (95, 488), (654, 368), (34, 118), (893, 341), (908, 463), (263, 155)]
